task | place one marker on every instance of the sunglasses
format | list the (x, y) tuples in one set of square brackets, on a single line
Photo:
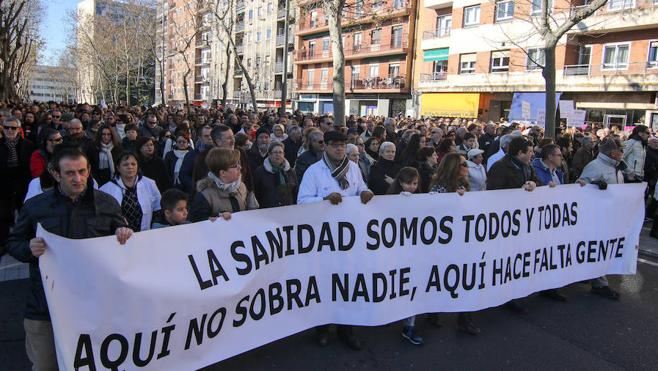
[(56, 117), (10, 127)]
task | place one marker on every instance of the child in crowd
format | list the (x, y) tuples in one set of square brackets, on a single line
[(174, 209), (406, 183)]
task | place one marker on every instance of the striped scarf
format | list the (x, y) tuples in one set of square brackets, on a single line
[(12, 154), (338, 172)]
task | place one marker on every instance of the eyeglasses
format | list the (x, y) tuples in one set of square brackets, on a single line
[(56, 117), (10, 127)]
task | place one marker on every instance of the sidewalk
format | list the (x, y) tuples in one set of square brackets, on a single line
[(648, 245)]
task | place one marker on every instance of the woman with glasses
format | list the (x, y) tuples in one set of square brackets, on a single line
[(49, 139), (452, 176), (221, 192), (108, 148), (138, 195)]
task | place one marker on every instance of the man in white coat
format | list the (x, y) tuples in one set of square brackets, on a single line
[(332, 178)]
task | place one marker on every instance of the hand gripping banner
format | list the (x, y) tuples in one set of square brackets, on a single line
[(188, 296)]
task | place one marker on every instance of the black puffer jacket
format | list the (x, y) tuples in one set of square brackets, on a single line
[(96, 214)]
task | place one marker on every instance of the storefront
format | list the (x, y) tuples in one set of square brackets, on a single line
[(464, 105)]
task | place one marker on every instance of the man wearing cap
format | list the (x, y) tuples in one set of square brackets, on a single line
[(606, 169), (258, 152), (332, 178), (477, 176)]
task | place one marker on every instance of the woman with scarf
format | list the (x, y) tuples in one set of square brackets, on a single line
[(109, 148), (275, 183), (452, 176), (384, 171), (138, 195), (222, 192), (372, 150), (39, 159), (174, 159)]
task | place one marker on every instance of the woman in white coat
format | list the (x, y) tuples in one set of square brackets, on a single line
[(138, 195), (477, 175)]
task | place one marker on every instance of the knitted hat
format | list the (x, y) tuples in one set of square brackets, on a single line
[(607, 146)]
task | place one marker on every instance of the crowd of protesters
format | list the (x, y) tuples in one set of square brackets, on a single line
[(85, 171)]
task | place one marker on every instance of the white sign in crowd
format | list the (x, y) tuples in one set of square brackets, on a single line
[(184, 297)]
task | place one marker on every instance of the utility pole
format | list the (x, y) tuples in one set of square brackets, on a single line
[(284, 86)]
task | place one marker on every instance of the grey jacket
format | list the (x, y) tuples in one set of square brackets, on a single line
[(477, 176), (602, 168), (634, 155)]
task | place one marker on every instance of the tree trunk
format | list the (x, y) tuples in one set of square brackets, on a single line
[(333, 10), (187, 97), (548, 73), (227, 75), (162, 83)]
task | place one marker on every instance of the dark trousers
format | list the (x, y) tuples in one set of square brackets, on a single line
[(341, 330)]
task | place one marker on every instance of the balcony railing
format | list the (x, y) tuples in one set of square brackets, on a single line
[(240, 48), (354, 14), (238, 71), (239, 27), (392, 45), (608, 69), (239, 6), (281, 38), (281, 13), (202, 61), (434, 76), (305, 86), (577, 70), (201, 79), (391, 82), (435, 34)]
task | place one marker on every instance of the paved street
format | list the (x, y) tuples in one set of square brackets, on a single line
[(586, 333)]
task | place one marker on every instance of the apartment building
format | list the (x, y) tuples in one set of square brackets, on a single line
[(260, 36), (474, 55), (378, 40), (51, 83)]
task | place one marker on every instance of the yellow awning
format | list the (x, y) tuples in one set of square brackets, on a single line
[(450, 104)]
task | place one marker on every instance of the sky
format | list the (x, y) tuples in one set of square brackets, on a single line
[(54, 29)]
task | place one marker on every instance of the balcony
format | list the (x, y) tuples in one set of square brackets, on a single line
[(239, 27), (280, 39), (201, 79), (202, 61), (300, 86), (438, 4), (237, 72), (281, 13), (606, 20), (436, 39), (379, 83), (436, 34), (239, 7), (202, 43), (240, 49), (434, 76), (577, 70), (391, 47), (384, 10)]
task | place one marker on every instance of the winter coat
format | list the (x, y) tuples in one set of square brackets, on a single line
[(291, 148), (14, 181), (148, 197), (602, 168), (155, 169), (211, 201), (268, 192), (634, 155), (506, 174), (96, 214), (544, 174), (303, 162), (378, 173), (477, 176), (581, 158)]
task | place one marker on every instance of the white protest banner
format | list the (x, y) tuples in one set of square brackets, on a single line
[(184, 297), (525, 110), (566, 108)]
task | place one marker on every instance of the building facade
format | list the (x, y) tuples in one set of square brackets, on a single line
[(474, 55), (50, 83), (378, 40)]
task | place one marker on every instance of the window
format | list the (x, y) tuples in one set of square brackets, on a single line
[(269, 33), (394, 70), (504, 10), (621, 4), (500, 61), (324, 77), (653, 55), (373, 70), (309, 78), (536, 6), (443, 25), (356, 71), (536, 59), (396, 37), (311, 49), (471, 16), (314, 18), (467, 63), (615, 56), (357, 41), (251, 14), (325, 44), (375, 35), (257, 36)]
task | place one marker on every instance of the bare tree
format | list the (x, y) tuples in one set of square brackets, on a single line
[(19, 42), (223, 14), (551, 26)]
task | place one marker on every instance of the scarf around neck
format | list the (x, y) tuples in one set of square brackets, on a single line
[(338, 172), (105, 159), (279, 171), (180, 154), (12, 157), (224, 187)]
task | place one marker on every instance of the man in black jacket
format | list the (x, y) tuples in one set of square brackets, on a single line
[(72, 209), (15, 174)]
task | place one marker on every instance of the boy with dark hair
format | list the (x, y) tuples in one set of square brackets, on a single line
[(174, 209)]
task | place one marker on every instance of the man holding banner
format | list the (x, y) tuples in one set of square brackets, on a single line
[(332, 178), (74, 210)]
